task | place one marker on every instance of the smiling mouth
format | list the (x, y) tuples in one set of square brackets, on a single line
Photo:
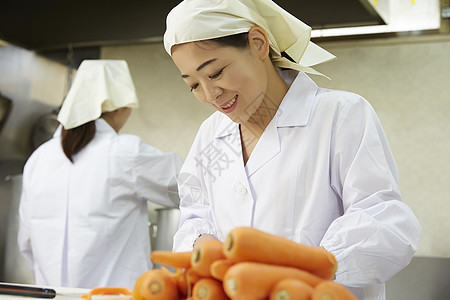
[(229, 104)]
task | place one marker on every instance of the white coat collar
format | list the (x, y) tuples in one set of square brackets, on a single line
[(294, 110), (296, 107), (103, 126)]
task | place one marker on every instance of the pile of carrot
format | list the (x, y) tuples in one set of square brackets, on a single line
[(249, 265)]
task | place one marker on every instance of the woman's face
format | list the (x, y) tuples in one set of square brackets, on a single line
[(232, 80)]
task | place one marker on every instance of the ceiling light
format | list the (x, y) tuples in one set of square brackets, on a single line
[(399, 15)]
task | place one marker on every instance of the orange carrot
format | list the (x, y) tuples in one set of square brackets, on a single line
[(330, 290), (186, 281), (172, 259), (291, 289), (219, 268), (209, 289), (155, 285), (204, 255), (180, 278), (192, 276), (182, 285), (137, 287), (117, 291), (250, 244), (252, 280)]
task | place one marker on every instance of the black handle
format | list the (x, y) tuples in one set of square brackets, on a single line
[(28, 291)]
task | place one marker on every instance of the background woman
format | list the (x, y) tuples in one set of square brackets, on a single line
[(83, 210)]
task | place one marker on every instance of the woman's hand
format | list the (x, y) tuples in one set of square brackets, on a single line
[(202, 238)]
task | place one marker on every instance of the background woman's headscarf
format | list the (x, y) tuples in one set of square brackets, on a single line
[(196, 20), (99, 86)]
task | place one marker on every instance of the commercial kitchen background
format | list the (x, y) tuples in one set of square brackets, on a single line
[(405, 77)]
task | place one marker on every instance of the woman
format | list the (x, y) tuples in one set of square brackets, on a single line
[(281, 154), (83, 210)]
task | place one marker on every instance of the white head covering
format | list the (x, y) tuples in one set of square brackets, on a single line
[(196, 20), (99, 86)]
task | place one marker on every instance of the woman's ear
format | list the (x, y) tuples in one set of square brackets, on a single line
[(259, 41)]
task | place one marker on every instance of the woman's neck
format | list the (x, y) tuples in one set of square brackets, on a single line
[(274, 95)]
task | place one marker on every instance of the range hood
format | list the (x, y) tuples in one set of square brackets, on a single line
[(52, 27)]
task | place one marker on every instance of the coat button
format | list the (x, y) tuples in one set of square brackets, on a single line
[(241, 190)]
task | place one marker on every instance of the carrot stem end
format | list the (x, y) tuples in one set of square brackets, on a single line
[(196, 255), (155, 287), (283, 295), (229, 243), (232, 286), (202, 293)]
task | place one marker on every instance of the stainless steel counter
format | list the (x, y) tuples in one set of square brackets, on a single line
[(425, 278)]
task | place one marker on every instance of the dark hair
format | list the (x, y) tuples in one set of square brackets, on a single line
[(239, 41), (75, 139)]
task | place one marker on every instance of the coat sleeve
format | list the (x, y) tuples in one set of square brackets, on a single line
[(154, 175), (195, 213), (377, 234)]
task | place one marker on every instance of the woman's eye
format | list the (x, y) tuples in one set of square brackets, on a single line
[(216, 75), (194, 87)]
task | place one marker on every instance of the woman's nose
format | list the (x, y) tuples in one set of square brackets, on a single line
[(212, 93)]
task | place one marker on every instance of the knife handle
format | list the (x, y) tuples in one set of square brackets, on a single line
[(28, 291)]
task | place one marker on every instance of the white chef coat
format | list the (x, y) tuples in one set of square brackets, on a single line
[(85, 224), (321, 174)]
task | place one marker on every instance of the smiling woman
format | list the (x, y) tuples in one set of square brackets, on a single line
[(281, 154)]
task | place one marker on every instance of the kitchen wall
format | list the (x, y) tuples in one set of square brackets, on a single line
[(405, 79)]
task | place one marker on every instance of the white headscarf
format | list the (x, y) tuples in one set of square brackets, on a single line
[(196, 20), (99, 86)]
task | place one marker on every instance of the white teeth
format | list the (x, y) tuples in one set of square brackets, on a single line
[(230, 103)]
